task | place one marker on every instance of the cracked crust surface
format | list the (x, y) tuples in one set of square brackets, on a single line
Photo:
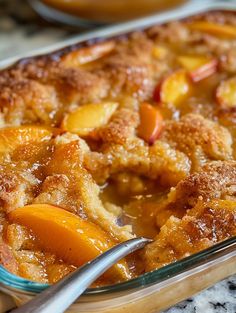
[(25, 101), (200, 228), (180, 189), (159, 161), (200, 138), (121, 127), (216, 180), (16, 188)]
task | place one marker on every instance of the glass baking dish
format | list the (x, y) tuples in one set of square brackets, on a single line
[(149, 293), (162, 288)]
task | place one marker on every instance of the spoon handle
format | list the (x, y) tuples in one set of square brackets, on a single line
[(58, 297)]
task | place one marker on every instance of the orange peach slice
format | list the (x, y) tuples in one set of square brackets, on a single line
[(159, 52), (226, 93), (219, 30), (150, 123), (87, 54), (12, 137), (88, 117), (174, 88), (199, 67), (68, 236)]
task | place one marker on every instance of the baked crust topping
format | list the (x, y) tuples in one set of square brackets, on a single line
[(133, 136)]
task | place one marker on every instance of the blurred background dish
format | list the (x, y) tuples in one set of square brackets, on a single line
[(92, 12)]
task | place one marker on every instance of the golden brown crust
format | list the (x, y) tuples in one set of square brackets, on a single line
[(218, 17), (171, 32), (16, 188), (158, 162), (216, 180), (128, 74), (7, 258), (204, 225), (57, 190), (105, 174), (201, 139), (128, 69), (25, 101), (77, 86), (122, 126)]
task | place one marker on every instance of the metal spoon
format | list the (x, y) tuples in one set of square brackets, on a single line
[(58, 297)]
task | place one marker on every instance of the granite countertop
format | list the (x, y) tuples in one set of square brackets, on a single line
[(20, 31)]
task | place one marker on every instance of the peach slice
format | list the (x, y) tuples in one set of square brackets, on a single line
[(159, 52), (150, 123), (69, 237), (226, 93), (173, 88), (219, 30), (12, 137), (87, 54), (88, 117), (199, 67)]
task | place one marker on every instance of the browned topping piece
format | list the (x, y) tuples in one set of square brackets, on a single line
[(201, 139), (25, 101), (158, 162), (7, 258), (172, 32), (216, 180), (121, 127), (16, 188), (76, 86), (57, 190), (204, 225), (128, 68), (130, 75)]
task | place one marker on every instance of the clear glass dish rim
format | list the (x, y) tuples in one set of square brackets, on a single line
[(20, 284)]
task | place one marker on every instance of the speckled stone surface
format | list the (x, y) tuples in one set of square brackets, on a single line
[(220, 298), (21, 31)]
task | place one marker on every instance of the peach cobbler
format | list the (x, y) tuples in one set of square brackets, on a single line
[(105, 141)]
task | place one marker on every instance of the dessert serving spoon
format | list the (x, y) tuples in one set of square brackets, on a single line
[(58, 297)]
